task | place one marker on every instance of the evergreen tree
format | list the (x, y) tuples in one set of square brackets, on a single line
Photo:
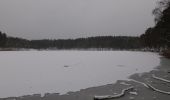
[(2, 39), (159, 35)]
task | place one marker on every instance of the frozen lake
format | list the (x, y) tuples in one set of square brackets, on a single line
[(30, 72)]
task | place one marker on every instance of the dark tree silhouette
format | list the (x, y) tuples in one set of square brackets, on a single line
[(3, 39), (99, 42), (159, 35)]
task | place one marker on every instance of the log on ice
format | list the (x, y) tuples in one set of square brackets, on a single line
[(113, 96), (161, 79), (157, 90)]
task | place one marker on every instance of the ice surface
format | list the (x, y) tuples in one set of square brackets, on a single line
[(29, 72)]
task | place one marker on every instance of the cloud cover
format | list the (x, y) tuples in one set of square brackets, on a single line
[(38, 19)]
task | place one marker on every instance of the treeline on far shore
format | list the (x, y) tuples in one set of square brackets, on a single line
[(154, 38), (98, 42)]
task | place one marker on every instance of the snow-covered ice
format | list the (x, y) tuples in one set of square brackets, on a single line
[(29, 72)]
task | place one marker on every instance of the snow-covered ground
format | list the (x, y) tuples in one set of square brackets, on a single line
[(30, 72)]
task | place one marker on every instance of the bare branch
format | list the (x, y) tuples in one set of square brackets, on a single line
[(113, 96), (161, 79), (157, 90)]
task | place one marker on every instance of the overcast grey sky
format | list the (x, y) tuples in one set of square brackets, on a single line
[(38, 19)]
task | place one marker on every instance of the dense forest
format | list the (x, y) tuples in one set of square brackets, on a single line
[(98, 42), (159, 35)]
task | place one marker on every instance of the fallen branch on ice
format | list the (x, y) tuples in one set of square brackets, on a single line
[(113, 96), (162, 79), (140, 83), (157, 90)]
